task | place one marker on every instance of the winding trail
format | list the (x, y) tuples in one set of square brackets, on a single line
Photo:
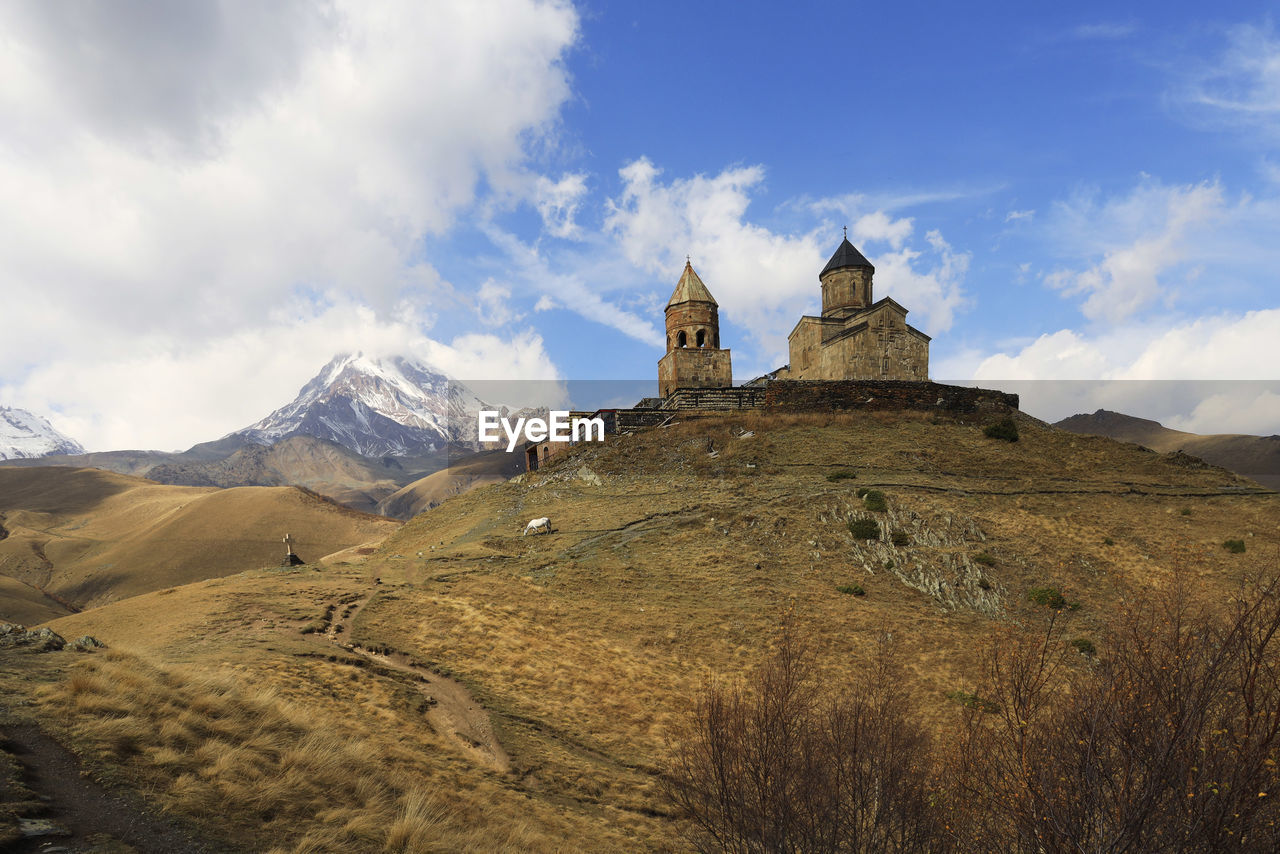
[(452, 711), (78, 814)]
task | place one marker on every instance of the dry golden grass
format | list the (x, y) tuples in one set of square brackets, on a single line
[(588, 645), (89, 536), (267, 770)]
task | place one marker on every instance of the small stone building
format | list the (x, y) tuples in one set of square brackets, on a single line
[(856, 338), (694, 358)]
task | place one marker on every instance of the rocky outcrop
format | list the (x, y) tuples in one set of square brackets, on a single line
[(45, 639)]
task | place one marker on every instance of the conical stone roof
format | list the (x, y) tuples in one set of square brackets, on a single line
[(846, 256), (690, 288)]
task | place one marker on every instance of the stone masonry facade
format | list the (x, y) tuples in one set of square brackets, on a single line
[(855, 338)]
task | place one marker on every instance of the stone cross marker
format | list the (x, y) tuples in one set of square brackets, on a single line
[(290, 559)]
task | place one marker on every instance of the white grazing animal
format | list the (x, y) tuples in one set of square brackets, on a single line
[(543, 524)]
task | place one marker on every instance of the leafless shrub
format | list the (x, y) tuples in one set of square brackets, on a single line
[(778, 765), (1169, 743)]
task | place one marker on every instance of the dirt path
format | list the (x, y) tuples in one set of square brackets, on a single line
[(452, 711), (79, 816)]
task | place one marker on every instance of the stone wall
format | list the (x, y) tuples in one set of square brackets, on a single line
[(831, 395), (625, 420), (735, 397)]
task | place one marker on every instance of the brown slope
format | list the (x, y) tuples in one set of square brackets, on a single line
[(1256, 457), (87, 536), (21, 603), (669, 565), (467, 473)]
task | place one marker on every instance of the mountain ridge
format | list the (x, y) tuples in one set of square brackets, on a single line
[(376, 407), (1255, 457)]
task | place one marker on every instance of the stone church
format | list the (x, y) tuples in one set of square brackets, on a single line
[(855, 338)]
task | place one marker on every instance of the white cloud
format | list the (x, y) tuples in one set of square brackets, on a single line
[(1104, 31), (1145, 236), (879, 226), (570, 288), (558, 201), (933, 295), (1237, 408), (494, 304), (182, 184), (156, 397), (1014, 216), (1222, 347), (1205, 375), (1242, 86)]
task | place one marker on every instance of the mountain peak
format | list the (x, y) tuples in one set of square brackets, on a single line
[(374, 405), (25, 435)]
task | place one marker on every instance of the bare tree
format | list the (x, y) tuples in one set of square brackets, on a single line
[(778, 765), (1168, 743)]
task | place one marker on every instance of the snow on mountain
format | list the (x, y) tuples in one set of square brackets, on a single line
[(25, 435), (376, 407)]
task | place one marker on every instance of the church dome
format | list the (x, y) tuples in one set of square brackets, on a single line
[(846, 256)]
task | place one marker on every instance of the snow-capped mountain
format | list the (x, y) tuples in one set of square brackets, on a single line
[(25, 435), (376, 407)]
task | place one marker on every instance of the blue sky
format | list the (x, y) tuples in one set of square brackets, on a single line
[(207, 205)]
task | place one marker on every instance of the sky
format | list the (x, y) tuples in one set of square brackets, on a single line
[(203, 203)]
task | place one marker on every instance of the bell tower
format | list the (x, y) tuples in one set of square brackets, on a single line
[(846, 282), (694, 358)]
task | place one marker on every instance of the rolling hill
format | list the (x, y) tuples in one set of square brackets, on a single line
[(82, 537), (511, 693), (1255, 457), (467, 472)]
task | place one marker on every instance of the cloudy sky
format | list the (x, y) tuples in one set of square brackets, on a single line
[(204, 202)]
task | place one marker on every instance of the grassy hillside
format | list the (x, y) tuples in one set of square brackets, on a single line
[(465, 473), (82, 537), (675, 555), (1255, 457), (319, 465)]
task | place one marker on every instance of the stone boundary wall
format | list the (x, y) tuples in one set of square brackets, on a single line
[(733, 397), (622, 420), (830, 395)]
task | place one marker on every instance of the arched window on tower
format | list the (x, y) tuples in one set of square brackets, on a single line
[(681, 340), (702, 338), (884, 366)]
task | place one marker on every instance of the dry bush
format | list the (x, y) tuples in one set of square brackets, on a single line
[(780, 765), (1168, 744)]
